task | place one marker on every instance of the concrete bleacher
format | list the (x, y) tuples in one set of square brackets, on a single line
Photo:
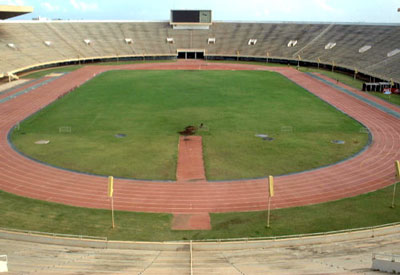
[(271, 38), (107, 39), (388, 67), (328, 254), (349, 39)]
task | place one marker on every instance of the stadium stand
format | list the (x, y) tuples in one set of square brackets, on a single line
[(292, 256), (108, 40), (8, 11)]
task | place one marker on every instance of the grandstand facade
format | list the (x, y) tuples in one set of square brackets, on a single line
[(372, 50)]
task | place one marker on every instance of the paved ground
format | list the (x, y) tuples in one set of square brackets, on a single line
[(9, 85), (190, 159), (191, 168), (371, 170), (192, 221), (350, 257)]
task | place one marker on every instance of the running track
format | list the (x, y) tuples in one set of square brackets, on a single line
[(368, 171)]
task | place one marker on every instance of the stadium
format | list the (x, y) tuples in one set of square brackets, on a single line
[(233, 147)]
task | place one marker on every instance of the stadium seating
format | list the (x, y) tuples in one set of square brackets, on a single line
[(52, 42), (311, 257)]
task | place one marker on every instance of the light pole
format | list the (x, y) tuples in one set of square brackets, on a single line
[(298, 61)]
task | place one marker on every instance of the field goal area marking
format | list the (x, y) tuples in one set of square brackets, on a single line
[(287, 129), (65, 129)]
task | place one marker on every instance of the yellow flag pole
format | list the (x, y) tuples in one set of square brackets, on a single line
[(397, 165), (270, 195), (111, 195), (269, 211), (112, 211)]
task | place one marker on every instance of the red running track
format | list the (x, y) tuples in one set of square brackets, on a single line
[(22, 87), (363, 94), (368, 171)]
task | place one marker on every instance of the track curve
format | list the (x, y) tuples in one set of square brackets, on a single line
[(368, 171)]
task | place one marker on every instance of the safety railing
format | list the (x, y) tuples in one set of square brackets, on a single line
[(49, 234), (298, 235), (386, 257)]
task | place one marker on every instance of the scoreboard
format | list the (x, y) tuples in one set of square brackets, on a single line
[(191, 16)]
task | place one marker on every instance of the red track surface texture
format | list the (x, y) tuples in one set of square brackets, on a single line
[(371, 170), (22, 87), (190, 159)]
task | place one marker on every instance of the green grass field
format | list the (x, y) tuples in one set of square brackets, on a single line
[(70, 68), (41, 73), (29, 214), (150, 107), (344, 78), (393, 98)]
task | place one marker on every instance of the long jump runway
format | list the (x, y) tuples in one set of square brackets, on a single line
[(372, 169)]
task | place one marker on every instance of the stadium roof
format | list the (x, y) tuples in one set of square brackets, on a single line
[(13, 11)]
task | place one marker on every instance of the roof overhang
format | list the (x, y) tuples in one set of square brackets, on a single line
[(13, 11)]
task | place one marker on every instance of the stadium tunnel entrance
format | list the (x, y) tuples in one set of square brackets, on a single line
[(191, 54)]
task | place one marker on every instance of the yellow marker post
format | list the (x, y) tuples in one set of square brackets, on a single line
[(271, 186), (397, 165), (110, 186), (270, 195), (111, 195)]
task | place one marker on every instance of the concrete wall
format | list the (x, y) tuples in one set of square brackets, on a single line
[(202, 246), (386, 266)]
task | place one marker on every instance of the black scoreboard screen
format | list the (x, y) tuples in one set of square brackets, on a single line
[(190, 16), (186, 16)]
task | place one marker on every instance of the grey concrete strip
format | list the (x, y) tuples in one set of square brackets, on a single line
[(366, 100), (27, 90), (10, 88)]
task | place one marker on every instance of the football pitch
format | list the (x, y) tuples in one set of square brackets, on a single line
[(126, 124)]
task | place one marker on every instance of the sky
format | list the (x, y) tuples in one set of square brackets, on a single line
[(365, 11)]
